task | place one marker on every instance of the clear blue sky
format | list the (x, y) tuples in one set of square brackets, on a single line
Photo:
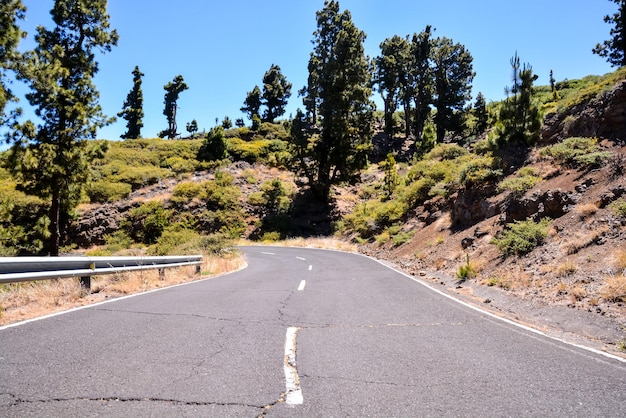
[(223, 48)]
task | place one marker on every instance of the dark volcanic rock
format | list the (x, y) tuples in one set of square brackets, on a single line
[(552, 204), (603, 116)]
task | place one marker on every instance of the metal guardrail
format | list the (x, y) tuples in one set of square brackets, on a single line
[(21, 269)]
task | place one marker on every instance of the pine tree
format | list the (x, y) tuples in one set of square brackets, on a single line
[(392, 67), (52, 159), (481, 114), (276, 93), (341, 74), (172, 91), (132, 110), (614, 49), (192, 127), (11, 11), (453, 73), (252, 104), (519, 119), (214, 146), (420, 86)]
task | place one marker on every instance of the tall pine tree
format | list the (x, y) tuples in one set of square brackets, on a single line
[(392, 67), (172, 91), (52, 159), (453, 72), (11, 11), (276, 93), (519, 119), (132, 110), (339, 86)]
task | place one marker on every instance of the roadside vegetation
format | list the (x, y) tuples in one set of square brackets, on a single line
[(433, 159)]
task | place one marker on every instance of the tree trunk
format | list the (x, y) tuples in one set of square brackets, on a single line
[(407, 119), (55, 220)]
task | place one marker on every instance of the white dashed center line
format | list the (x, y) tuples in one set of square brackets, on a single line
[(302, 284), (292, 381)]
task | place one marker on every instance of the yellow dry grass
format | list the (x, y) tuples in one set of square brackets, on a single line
[(21, 301), (583, 240), (614, 289), (327, 243)]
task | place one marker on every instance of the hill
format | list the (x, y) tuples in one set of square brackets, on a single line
[(536, 233)]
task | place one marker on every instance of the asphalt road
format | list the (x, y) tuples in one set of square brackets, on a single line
[(298, 333)]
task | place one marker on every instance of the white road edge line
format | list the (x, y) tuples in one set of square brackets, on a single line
[(293, 395), (302, 284), (500, 318)]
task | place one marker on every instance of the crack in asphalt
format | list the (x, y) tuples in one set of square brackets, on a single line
[(17, 401), (237, 320)]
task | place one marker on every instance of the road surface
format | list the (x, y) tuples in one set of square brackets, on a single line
[(299, 332)]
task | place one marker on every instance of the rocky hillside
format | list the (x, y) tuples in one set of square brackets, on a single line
[(574, 282)]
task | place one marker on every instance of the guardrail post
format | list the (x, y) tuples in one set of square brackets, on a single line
[(162, 274), (85, 282), (198, 268)]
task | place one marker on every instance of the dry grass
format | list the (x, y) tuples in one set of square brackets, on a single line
[(583, 240), (21, 301), (503, 282), (614, 289), (620, 261), (586, 210), (320, 242), (566, 268)]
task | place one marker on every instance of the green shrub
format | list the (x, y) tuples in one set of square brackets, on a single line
[(401, 238), (174, 241), (274, 198), (104, 191), (576, 152), (147, 222), (525, 180), (446, 152), (214, 146), (593, 159), (137, 177), (185, 191), (417, 192), (231, 223), (478, 170), (619, 207), (178, 240), (115, 243), (521, 237), (180, 165), (466, 271)]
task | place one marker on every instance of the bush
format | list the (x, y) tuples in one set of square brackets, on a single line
[(446, 152), (147, 222), (137, 177), (214, 146), (181, 241), (619, 207), (185, 191), (478, 170), (576, 152), (521, 237), (274, 198), (525, 180), (104, 191)]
